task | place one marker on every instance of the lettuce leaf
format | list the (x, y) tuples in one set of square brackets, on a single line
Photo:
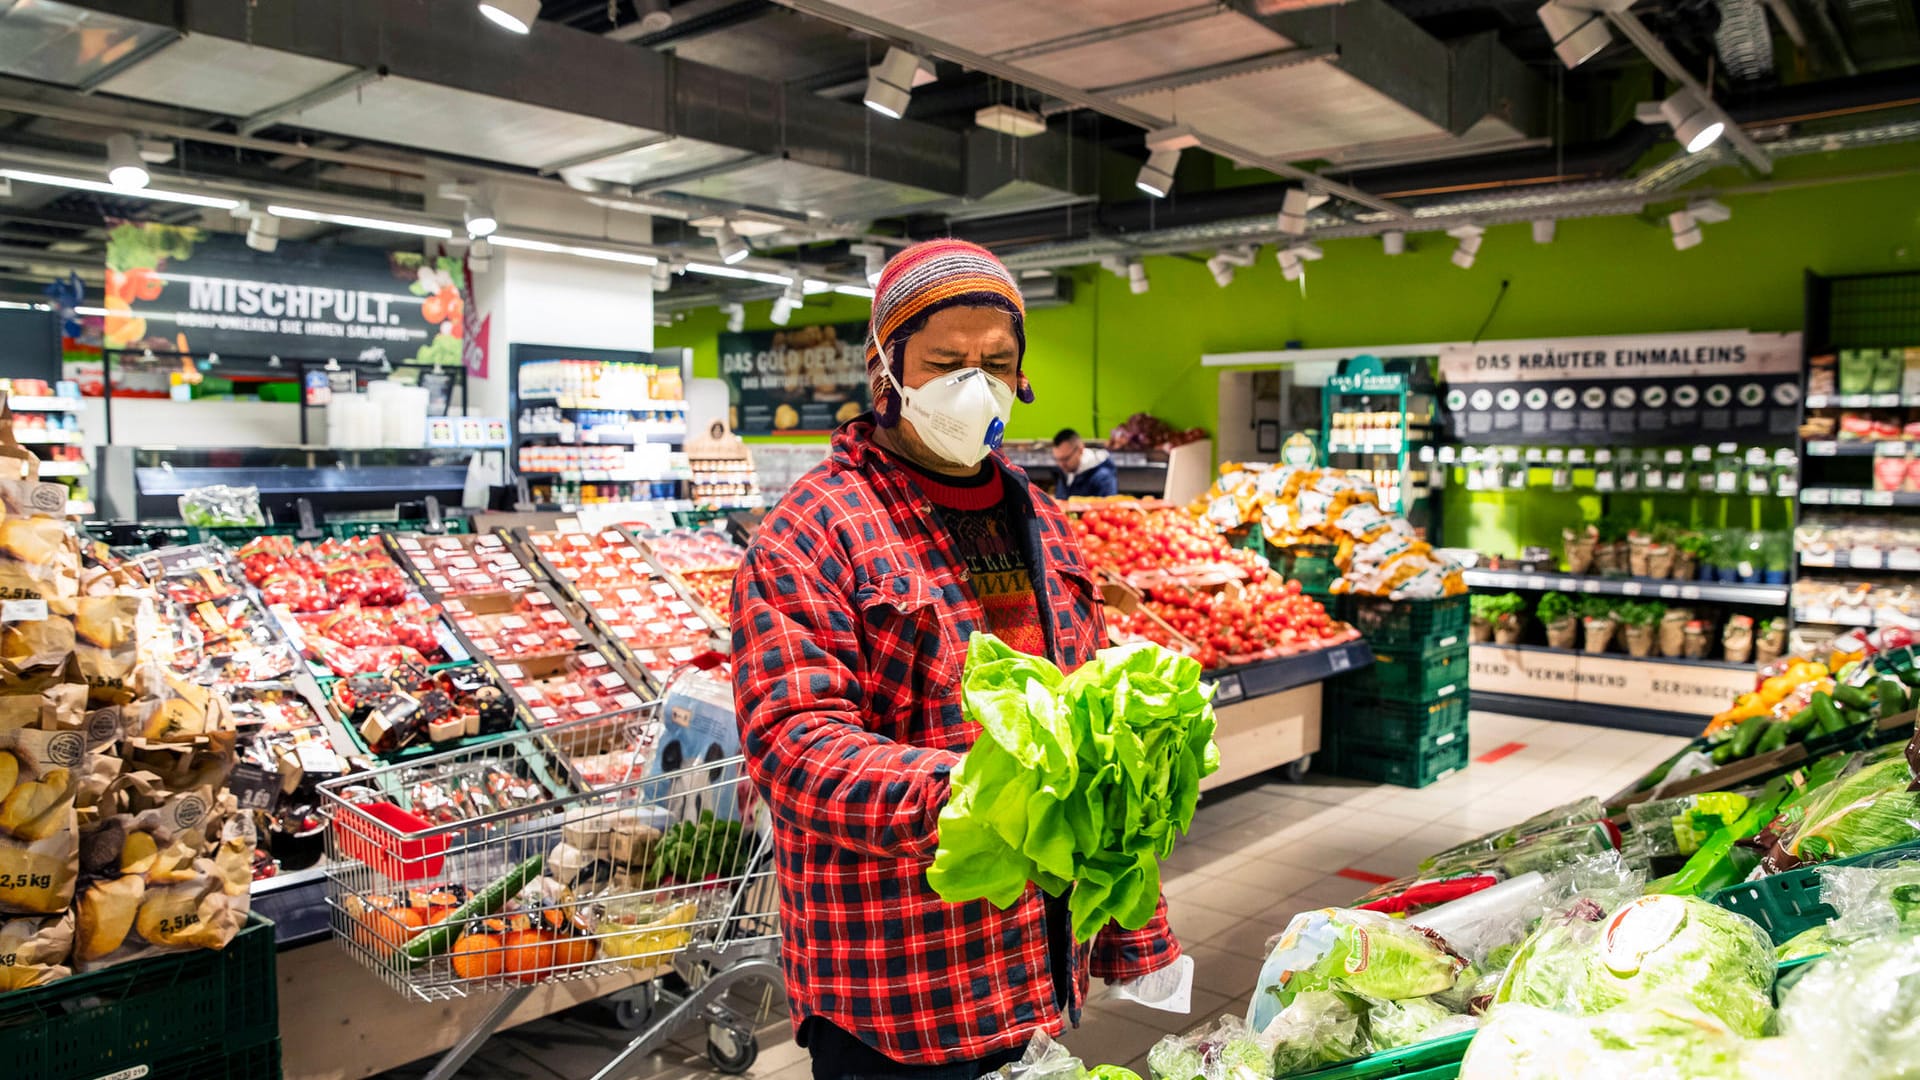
[(1080, 781)]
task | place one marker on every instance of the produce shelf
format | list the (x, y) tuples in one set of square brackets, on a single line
[(1656, 721), (46, 438), (1759, 595), (602, 404), (43, 404), (1280, 674), (1727, 664), (1895, 559), (64, 468), (1863, 448), (1845, 496), (1861, 401)]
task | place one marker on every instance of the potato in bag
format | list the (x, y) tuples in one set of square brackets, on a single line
[(107, 646), (30, 646), (34, 952), (39, 835), (23, 498), (54, 706), (105, 916), (39, 560)]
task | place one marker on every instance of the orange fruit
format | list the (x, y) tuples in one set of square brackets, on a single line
[(529, 955), (478, 956)]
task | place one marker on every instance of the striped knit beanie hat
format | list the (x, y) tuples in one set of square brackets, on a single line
[(926, 278)]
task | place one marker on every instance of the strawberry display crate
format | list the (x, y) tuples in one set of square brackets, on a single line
[(175, 1015)]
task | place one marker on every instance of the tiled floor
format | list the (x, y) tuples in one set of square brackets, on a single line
[(1259, 852)]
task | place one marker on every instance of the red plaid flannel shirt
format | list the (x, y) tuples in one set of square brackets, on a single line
[(851, 616)]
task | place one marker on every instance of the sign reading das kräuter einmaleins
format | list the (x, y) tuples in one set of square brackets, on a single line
[(1650, 388), (799, 381)]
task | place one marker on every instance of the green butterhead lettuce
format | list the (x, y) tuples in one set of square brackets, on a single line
[(1081, 780)]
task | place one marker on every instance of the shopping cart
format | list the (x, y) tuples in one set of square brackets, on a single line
[(556, 855)]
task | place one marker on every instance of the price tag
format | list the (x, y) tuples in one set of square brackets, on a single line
[(1758, 483), (1668, 592), (1676, 457), (1563, 584), (254, 787), (1726, 482), (1855, 401), (592, 660), (1786, 485), (1816, 496), (1756, 455), (1603, 480), (1890, 449), (1853, 497), (22, 610), (1339, 660), (1823, 448), (1630, 588), (1602, 457), (1876, 498), (1446, 455), (546, 714), (1228, 688), (1886, 401), (1577, 456), (1815, 613), (1817, 558), (1510, 454), (1703, 453), (511, 672), (1865, 558), (1817, 401), (1590, 586), (610, 680), (1903, 558), (1677, 481), (1533, 582), (1689, 592), (1555, 455), (1533, 455)]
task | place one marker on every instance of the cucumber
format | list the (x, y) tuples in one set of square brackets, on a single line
[(1800, 722), (438, 939), (1774, 739), (1722, 753), (1910, 676), (1853, 697), (1892, 695), (1828, 716), (1747, 735)]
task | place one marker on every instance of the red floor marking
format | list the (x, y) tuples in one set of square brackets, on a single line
[(1499, 752), (1367, 876)]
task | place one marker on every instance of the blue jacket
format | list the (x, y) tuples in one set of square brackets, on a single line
[(1095, 479)]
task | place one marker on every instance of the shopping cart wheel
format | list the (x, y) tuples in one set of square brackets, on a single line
[(632, 1010), (1296, 771), (730, 1051)]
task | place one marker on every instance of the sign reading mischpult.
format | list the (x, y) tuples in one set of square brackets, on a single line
[(1649, 389)]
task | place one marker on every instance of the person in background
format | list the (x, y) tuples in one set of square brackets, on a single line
[(1085, 471), (851, 616)]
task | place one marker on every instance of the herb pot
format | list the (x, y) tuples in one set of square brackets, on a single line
[(1708, 572), (1673, 631), (1639, 561), (1579, 554), (1480, 631), (1639, 640), (1696, 640), (1562, 632), (1738, 643), (1506, 630), (1660, 558), (1685, 565), (1599, 634), (1606, 558), (1770, 643)]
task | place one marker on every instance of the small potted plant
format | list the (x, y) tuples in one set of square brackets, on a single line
[(1607, 555), (1776, 553), (1737, 639), (1557, 613), (1673, 630), (1769, 640), (1596, 615), (1580, 547), (1638, 621), (1660, 551), (1639, 547), (1690, 547), (1501, 616)]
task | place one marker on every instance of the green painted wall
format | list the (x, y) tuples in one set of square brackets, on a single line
[(1118, 353)]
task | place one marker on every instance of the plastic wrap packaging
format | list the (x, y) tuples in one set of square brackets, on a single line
[(1225, 1051), (1586, 809), (1857, 1010), (1678, 826), (1358, 952), (220, 505), (33, 952), (1660, 1039), (1868, 902), (1318, 1028), (1866, 809), (1581, 964)]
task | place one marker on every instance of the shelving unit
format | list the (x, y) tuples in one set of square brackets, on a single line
[(649, 421), (19, 403), (1756, 594)]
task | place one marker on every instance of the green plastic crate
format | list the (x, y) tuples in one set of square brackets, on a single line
[(256, 1062), (1789, 904), (1393, 764), (1438, 1059), (1404, 623), (1362, 718), (146, 1011), (1311, 565), (1415, 676)]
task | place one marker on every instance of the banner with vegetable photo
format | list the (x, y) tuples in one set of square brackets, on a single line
[(805, 380), (181, 293)]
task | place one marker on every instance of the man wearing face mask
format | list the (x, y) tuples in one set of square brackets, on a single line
[(851, 617)]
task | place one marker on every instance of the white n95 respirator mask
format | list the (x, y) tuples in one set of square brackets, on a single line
[(961, 416)]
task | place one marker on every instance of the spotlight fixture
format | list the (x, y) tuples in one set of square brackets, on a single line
[(263, 233), (1222, 265), (782, 310), (1468, 247), (1294, 209), (479, 218), (1543, 230), (875, 257), (890, 84), (1695, 121), (479, 256), (1163, 157), (662, 274), (1393, 242), (125, 168), (1686, 230), (732, 248), (655, 15), (1578, 34), (1137, 277), (1294, 257), (736, 317), (1709, 211), (514, 16)]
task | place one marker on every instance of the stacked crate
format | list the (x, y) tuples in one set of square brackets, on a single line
[(1403, 719)]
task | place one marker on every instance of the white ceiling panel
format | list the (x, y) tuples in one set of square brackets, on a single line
[(220, 76), (1296, 113), (407, 112), (67, 45), (993, 26), (674, 157), (800, 188)]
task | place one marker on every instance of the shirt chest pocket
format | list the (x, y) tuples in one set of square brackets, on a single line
[(1073, 604), (914, 660)]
